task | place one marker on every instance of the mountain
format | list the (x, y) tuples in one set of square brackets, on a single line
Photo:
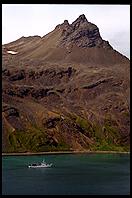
[(67, 90)]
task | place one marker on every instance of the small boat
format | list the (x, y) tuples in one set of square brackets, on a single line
[(43, 164)]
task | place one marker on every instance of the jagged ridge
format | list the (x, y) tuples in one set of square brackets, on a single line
[(82, 33)]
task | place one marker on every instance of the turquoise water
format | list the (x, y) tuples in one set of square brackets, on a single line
[(71, 174)]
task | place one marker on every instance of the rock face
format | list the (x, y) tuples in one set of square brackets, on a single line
[(82, 33), (69, 90)]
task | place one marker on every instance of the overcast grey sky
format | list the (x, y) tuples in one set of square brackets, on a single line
[(113, 21)]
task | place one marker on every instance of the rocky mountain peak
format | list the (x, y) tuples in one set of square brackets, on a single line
[(66, 22), (81, 19), (81, 33)]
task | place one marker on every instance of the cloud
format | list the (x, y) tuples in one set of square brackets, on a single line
[(121, 42)]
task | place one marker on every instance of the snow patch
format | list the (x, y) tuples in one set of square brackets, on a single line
[(11, 52)]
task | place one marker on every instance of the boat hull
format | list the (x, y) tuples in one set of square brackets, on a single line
[(41, 166)]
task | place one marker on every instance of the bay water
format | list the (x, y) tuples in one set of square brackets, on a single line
[(71, 174)]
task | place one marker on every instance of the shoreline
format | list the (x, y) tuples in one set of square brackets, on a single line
[(62, 152)]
